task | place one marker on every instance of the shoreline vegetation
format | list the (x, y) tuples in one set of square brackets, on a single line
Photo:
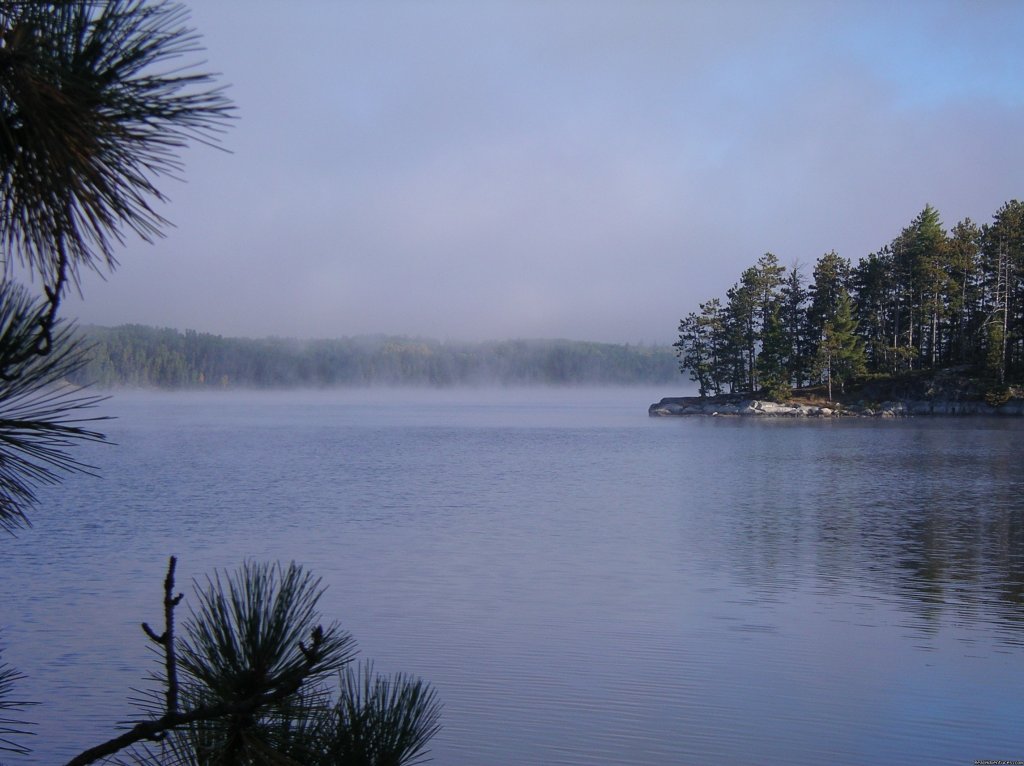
[(137, 356), (951, 392)]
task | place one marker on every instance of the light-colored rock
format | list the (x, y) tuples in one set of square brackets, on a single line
[(732, 406)]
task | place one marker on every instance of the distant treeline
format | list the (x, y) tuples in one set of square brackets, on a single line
[(140, 356)]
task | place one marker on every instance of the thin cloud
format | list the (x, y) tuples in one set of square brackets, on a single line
[(571, 169)]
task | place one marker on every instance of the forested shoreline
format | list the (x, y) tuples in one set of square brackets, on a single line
[(930, 299), (148, 357)]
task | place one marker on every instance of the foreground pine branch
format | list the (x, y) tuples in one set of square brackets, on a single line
[(245, 683)]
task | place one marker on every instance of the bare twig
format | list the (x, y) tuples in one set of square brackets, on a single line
[(166, 639)]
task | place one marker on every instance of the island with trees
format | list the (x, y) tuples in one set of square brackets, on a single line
[(931, 323)]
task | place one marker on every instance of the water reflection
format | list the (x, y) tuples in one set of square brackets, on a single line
[(931, 514)]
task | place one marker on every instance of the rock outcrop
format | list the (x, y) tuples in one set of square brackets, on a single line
[(728, 405)]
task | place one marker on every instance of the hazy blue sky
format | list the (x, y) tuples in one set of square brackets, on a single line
[(563, 168)]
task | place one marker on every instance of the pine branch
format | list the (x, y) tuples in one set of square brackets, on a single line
[(243, 668), (41, 416), (154, 730), (95, 102), (11, 727)]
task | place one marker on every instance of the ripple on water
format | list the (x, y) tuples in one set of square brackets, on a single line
[(582, 584)]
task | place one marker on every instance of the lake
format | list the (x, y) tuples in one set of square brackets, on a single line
[(581, 584)]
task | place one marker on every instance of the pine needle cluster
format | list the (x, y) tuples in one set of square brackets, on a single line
[(260, 681)]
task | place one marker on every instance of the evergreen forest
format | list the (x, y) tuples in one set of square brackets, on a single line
[(140, 356), (932, 298)]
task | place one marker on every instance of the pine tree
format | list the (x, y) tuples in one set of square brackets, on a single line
[(793, 316), (773, 361), (1003, 265), (712, 319), (701, 345), (741, 332), (964, 287), (693, 351), (840, 356), (930, 253), (872, 281)]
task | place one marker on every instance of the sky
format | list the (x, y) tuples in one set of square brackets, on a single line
[(583, 169)]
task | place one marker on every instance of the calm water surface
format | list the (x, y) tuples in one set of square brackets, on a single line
[(581, 584)]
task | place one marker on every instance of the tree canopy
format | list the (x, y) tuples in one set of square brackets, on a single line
[(928, 299)]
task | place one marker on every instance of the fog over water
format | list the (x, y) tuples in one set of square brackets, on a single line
[(588, 170), (583, 585)]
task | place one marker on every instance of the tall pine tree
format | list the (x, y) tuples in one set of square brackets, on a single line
[(841, 355)]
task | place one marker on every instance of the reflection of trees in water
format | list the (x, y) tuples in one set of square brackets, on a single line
[(942, 531), (963, 551), (980, 560)]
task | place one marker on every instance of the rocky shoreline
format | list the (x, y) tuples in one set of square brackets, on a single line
[(739, 406)]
